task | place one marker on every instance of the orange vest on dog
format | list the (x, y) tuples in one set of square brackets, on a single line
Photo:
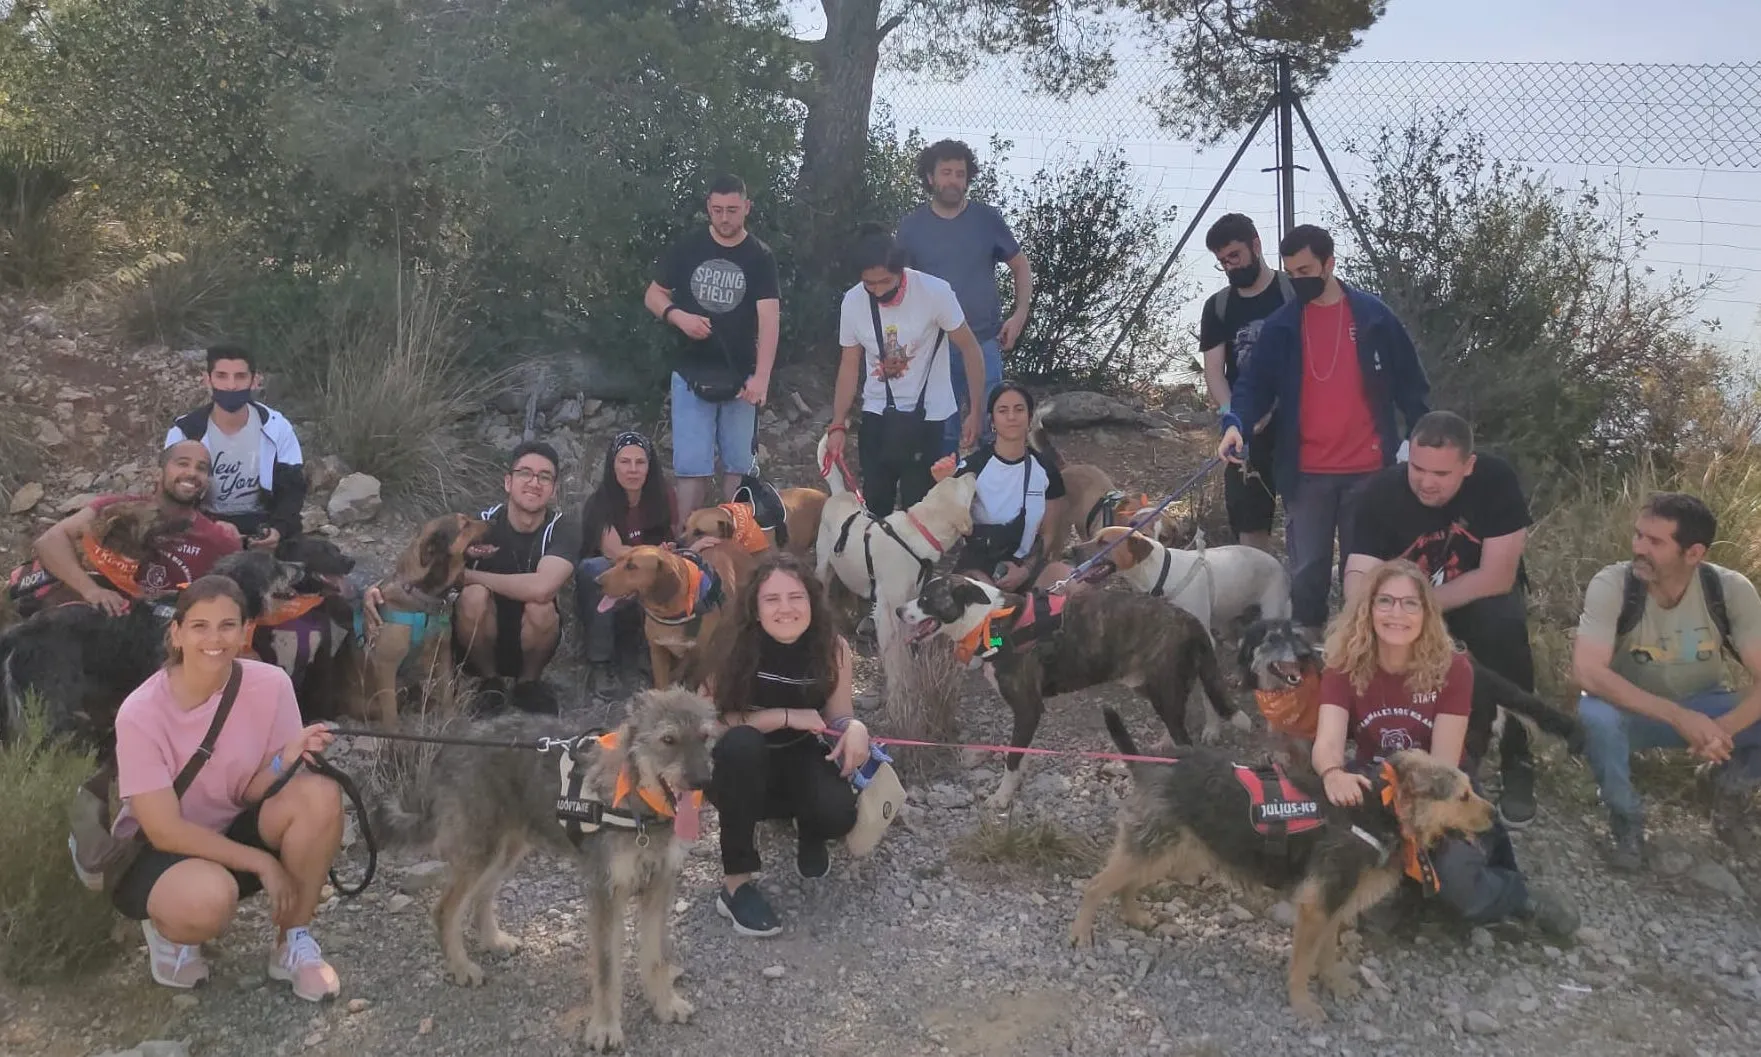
[(1293, 710), (747, 533)]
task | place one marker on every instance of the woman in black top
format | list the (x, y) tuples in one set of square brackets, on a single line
[(781, 681), (631, 506), (1012, 513)]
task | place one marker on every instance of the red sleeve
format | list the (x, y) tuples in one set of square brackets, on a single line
[(1336, 689), (1457, 696)]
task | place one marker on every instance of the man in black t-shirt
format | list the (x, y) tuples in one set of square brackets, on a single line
[(1462, 518), (1228, 326), (718, 286)]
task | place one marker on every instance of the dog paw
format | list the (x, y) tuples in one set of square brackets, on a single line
[(501, 943), (1241, 721), (1211, 732), (1308, 1011), (999, 800), (673, 1009), (1137, 917), (1081, 936), (469, 974), (603, 1037)]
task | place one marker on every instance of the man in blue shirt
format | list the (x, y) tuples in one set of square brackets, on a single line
[(961, 242)]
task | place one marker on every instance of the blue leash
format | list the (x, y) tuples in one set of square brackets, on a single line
[(1143, 518)]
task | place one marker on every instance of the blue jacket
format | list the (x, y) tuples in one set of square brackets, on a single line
[(1272, 377)]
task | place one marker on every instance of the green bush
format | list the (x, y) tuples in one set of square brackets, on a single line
[(51, 232), (50, 924), (179, 297)]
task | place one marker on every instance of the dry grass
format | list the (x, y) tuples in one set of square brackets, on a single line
[(51, 926), (21, 457), (1040, 844), (922, 700), (176, 297)]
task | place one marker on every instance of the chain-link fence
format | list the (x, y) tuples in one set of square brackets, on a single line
[(1680, 144)]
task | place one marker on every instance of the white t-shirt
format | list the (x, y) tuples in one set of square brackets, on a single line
[(236, 476), (926, 312), (1009, 490)]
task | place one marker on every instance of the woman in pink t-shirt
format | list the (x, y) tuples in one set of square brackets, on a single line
[(227, 837), (1394, 680)]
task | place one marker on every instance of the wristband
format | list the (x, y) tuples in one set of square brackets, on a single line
[(275, 765), (1222, 410), (667, 311), (837, 427)]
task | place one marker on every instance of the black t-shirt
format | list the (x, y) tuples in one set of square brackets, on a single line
[(782, 682), (724, 284), (1240, 326), (558, 535), (1444, 541)]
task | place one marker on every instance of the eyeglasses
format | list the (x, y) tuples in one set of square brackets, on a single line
[(1404, 603), (541, 476)]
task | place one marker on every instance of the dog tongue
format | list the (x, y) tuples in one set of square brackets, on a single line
[(685, 818), (607, 602)]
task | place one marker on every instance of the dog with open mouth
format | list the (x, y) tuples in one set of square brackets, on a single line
[(1042, 645), (1283, 668), (681, 594)]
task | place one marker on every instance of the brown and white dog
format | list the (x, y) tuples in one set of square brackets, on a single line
[(1091, 501), (1224, 587), (1035, 648), (801, 507), (681, 596)]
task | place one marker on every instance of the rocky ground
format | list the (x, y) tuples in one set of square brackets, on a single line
[(951, 938)]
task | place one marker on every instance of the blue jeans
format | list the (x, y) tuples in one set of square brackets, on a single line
[(1612, 734), (993, 377), (1321, 506), (600, 628), (701, 428)]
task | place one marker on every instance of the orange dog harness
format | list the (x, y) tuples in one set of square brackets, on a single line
[(747, 532), (1415, 860)]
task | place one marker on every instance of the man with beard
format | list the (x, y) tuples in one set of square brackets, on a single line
[(1460, 516), (961, 242), (1650, 659), (177, 558), (259, 478), (719, 287), (1227, 328)]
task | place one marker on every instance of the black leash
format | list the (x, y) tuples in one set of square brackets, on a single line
[(317, 764), (529, 744)]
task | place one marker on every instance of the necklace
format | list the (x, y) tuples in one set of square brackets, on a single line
[(1338, 338)]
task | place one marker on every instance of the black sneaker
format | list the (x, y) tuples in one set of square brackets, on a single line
[(604, 681), (1627, 851), (1551, 912), (812, 859), (1516, 804), (747, 908), (536, 698)]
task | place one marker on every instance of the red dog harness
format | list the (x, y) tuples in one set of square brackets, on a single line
[(1277, 809)]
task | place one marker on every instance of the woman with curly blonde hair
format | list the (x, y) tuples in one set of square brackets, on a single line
[(1394, 680)]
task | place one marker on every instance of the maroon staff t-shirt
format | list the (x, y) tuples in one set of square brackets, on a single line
[(1390, 716)]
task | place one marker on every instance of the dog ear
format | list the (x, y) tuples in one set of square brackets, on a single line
[(438, 546), (967, 594), (1140, 548), (1422, 778)]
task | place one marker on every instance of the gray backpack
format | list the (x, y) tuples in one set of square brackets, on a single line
[(1220, 299)]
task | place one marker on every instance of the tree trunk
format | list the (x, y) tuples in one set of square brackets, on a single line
[(834, 141)]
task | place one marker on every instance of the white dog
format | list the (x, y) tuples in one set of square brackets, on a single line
[(884, 560), (1221, 586)]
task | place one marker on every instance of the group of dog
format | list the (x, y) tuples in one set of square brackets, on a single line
[(483, 809)]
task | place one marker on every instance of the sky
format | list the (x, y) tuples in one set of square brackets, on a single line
[(1708, 221)]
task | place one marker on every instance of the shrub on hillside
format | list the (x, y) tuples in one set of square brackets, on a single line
[(50, 924), (175, 297), (51, 232)]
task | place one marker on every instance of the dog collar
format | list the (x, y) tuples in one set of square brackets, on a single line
[(294, 608), (1041, 615), (935, 544), (981, 643), (1162, 577), (700, 590), (747, 532)]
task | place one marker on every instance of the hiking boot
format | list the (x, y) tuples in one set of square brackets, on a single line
[(1627, 850), (535, 698), (747, 908), (1550, 912), (812, 859), (1516, 802), (178, 965), (298, 961), (1396, 914)]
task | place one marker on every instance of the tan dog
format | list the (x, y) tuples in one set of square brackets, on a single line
[(680, 599), (802, 508), (416, 613)]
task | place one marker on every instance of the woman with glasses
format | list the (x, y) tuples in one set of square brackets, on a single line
[(1394, 680), (632, 506)]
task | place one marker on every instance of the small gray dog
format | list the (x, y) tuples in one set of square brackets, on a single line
[(615, 804)]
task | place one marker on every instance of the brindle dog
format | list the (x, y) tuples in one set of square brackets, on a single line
[(1103, 637), (1191, 820)]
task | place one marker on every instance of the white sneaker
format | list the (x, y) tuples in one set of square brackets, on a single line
[(178, 965), (94, 881), (298, 961)]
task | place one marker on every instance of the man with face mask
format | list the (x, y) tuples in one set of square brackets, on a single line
[(1344, 386), (1228, 327), (259, 475)]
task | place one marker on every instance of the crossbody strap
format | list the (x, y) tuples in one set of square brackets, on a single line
[(880, 353), (181, 784)]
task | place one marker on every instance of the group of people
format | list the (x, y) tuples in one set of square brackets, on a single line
[(1323, 402)]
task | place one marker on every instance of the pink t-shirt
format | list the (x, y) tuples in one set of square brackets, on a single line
[(155, 738)]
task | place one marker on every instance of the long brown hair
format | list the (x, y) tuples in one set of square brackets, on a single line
[(204, 589), (739, 638), (1351, 638)]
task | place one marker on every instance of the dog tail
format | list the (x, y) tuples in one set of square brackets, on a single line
[(828, 469), (1040, 440), (1116, 729), (398, 827), (1515, 699)]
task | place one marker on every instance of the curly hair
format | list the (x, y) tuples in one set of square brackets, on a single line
[(735, 648), (1351, 638), (945, 150)]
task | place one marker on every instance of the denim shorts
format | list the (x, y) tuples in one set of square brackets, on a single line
[(700, 428)]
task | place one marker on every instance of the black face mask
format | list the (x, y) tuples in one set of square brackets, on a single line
[(1245, 276), (231, 399), (1307, 287), (889, 298)]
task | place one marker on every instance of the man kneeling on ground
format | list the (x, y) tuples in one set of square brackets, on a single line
[(1649, 659)]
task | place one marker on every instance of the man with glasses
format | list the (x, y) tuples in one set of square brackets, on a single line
[(1227, 329), (506, 619)]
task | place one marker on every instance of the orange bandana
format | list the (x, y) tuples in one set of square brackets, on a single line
[(120, 571), (693, 585), (1415, 861), (1128, 509), (979, 642), (747, 533), (293, 608), (656, 800), (1293, 710)]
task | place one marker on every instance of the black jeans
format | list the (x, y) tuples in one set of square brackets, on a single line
[(1496, 631), (1477, 877), (885, 486), (756, 780)]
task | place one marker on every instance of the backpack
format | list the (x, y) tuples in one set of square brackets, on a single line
[(1632, 605), (1220, 299)]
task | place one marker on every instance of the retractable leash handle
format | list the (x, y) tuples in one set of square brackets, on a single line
[(1143, 518)]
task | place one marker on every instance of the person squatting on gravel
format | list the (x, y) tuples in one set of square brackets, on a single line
[(781, 681), (247, 823), (1394, 680), (631, 507)]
